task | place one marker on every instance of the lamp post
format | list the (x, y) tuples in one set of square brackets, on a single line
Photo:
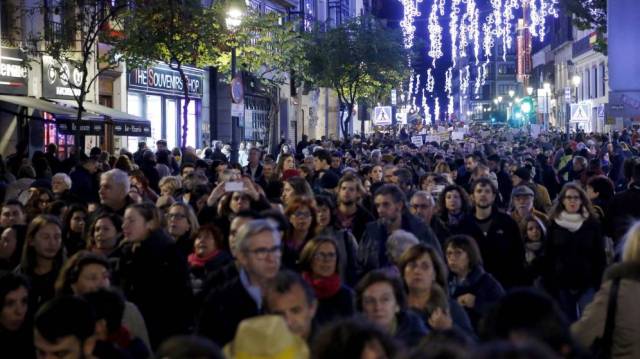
[(547, 89), (575, 81), (233, 21)]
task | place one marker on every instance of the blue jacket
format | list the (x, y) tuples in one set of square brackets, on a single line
[(372, 250), (410, 328)]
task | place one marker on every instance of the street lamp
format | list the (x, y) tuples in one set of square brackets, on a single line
[(547, 90), (235, 11), (529, 90), (575, 81)]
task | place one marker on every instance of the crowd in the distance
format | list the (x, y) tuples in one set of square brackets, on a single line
[(508, 247)]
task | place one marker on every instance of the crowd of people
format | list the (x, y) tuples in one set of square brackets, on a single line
[(498, 247)]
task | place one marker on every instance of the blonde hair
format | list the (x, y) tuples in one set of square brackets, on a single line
[(631, 249)]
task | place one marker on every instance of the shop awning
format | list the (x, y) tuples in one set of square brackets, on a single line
[(124, 124), (103, 110), (40, 105)]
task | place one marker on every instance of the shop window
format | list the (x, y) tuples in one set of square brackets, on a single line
[(135, 106), (171, 112), (154, 115)]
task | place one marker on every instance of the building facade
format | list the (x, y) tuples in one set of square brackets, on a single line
[(577, 75)]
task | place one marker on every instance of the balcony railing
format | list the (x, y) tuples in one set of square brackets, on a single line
[(58, 33)]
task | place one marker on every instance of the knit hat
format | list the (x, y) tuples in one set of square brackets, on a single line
[(266, 337)]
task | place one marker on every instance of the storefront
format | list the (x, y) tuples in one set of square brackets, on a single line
[(156, 94), (61, 83)]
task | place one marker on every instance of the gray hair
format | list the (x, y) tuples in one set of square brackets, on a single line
[(426, 195), (582, 160), (64, 177), (398, 242), (248, 230), (119, 177)]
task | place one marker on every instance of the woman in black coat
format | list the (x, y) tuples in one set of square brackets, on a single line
[(153, 275), (425, 274), (381, 298), (473, 288), (453, 205), (16, 330), (208, 255), (182, 222), (575, 256), (319, 264)]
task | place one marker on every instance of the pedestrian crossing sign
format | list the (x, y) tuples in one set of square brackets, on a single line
[(382, 116), (580, 112)]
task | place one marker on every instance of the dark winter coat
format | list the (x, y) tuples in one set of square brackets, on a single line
[(199, 275), (152, 175), (458, 316), (84, 185), (624, 208), (574, 260), (223, 311), (483, 286), (501, 247), (372, 249), (361, 218), (410, 328), (340, 305), (155, 278), (247, 171)]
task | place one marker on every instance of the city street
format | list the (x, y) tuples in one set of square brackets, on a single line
[(317, 179)]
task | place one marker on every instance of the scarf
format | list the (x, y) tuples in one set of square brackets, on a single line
[(454, 219), (195, 261), (571, 221), (324, 287), (121, 337)]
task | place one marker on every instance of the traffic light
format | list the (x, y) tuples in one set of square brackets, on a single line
[(527, 106)]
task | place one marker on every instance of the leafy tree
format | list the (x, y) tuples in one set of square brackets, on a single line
[(590, 14), (360, 59), (175, 32), (270, 49), (74, 40)]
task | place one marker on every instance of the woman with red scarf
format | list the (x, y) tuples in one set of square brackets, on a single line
[(318, 262), (208, 255)]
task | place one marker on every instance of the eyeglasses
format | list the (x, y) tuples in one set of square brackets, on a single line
[(262, 252), (171, 216), (300, 214), (325, 256)]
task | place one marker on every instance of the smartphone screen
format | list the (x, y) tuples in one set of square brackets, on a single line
[(236, 186)]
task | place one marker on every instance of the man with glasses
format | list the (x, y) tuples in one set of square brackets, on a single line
[(258, 254), (423, 206)]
